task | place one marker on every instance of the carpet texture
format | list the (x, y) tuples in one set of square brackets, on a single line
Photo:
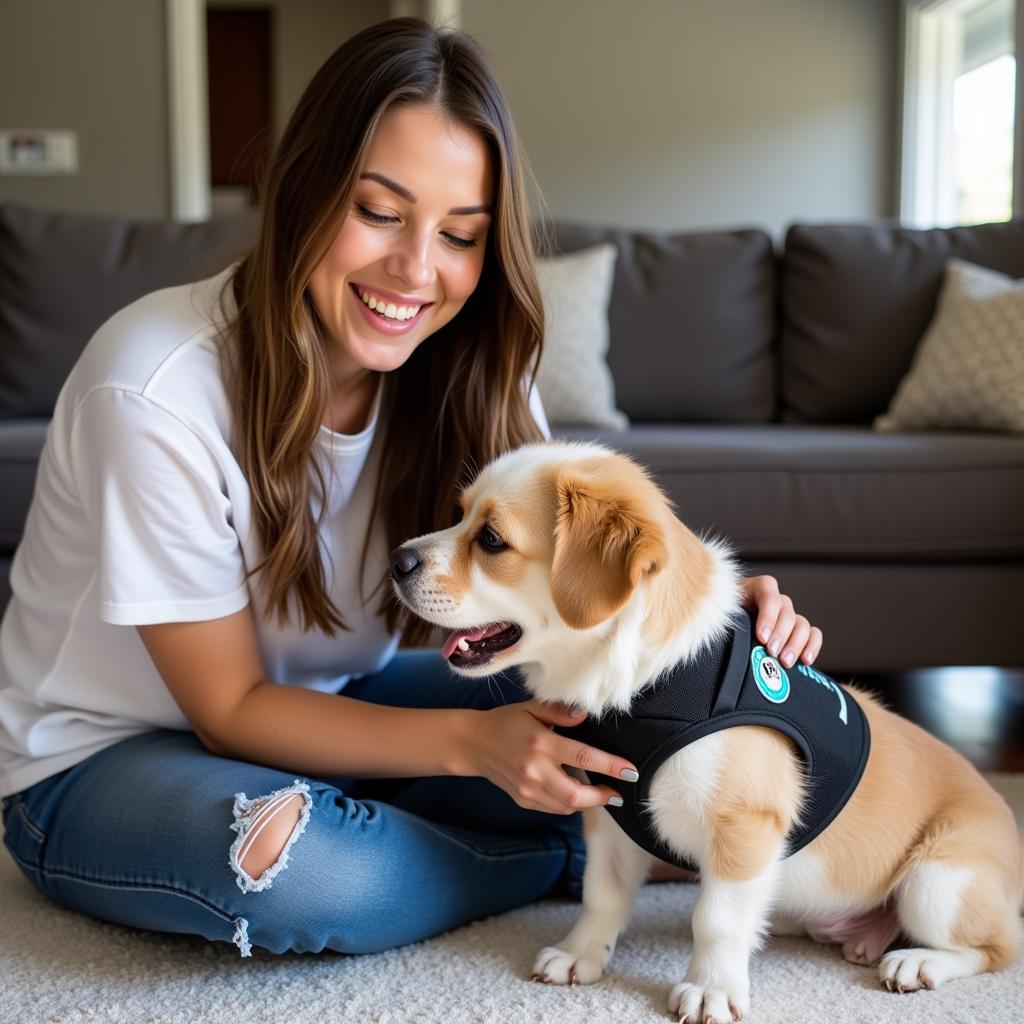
[(57, 966)]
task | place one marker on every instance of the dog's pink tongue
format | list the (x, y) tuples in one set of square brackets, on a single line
[(462, 634)]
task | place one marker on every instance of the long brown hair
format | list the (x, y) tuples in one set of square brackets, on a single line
[(458, 401)]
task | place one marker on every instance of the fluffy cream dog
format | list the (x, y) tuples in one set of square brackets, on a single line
[(570, 563)]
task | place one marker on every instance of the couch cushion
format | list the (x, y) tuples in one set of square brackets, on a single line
[(64, 274), (21, 441), (884, 617), (855, 301), (692, 323), (835, 493)]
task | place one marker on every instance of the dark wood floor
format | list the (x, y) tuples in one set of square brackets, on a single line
[(979, 711)]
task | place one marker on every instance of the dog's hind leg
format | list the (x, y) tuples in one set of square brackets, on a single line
[(963, 921), (615, 869), (957, 900)]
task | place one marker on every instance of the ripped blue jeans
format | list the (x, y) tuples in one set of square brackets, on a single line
[(146, 833)]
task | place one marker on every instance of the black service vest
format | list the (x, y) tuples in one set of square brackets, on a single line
[(735, 683)]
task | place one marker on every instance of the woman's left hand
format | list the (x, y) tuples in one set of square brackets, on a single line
[(787, 636)]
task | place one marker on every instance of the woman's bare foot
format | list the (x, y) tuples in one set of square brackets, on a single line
[(662, 871)]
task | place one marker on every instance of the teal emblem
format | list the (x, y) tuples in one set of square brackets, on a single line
[(769, 675)]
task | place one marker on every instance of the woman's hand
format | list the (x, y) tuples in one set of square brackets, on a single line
[(787, 636), (515, 748)]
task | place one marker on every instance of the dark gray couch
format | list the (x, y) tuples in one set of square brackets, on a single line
[(750, 378)]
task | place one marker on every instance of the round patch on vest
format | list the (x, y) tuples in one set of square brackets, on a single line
[(769, 675)]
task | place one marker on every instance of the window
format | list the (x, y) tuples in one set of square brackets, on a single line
[(958, 112)]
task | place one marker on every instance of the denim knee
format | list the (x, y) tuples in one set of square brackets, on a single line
[(327, 888)]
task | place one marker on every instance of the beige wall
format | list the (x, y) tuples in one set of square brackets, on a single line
[(97, 67), (660, 113), (701, 113)]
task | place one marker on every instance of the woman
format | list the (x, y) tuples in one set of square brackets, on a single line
[(203, 564)]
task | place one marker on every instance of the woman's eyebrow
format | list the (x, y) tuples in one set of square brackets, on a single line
[(455, 211)]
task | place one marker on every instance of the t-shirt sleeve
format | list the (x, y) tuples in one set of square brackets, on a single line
[(157, 506), (537, 408)]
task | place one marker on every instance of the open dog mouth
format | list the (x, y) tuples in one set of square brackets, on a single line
[(476, 646)]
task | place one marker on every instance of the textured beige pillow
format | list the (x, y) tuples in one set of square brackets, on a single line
[(968, 371), (574, 381)]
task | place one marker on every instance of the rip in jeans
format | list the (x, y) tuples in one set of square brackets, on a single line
[(251, 817)]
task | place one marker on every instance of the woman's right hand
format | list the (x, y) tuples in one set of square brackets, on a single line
[(514, 747)]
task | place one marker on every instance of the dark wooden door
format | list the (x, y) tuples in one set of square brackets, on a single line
[(238, 63)]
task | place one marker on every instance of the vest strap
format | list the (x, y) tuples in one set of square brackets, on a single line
[(735, 669)]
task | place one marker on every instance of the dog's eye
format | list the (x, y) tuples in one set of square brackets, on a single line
[(490, 541)]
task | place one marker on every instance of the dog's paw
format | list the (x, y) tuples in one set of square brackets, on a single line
[(557, 967), (694, 1004), (908, 970), (856, 953), (861, 952)]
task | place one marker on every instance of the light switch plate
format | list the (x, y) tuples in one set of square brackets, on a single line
[(36, 151)]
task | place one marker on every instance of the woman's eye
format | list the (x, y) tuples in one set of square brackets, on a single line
[(490, 541), (374, 218), (379, 218), (461, 243)]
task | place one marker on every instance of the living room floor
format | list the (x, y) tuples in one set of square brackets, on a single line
[(979, 711), (62, 967)]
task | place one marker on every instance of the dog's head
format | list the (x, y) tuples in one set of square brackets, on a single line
[(555, 540)]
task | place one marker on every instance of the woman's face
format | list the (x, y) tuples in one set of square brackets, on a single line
[(412, 244)]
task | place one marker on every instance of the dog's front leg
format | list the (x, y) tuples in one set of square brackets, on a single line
[(616, 866), (729, 920)]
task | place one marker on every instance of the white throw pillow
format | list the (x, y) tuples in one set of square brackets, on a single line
[(574, 381), (968, 371)]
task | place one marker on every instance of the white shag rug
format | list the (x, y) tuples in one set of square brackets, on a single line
[(58, 967)]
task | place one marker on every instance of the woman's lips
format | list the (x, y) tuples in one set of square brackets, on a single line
[(380, 323)]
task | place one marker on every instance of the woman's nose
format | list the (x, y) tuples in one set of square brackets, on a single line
[(411, 264)]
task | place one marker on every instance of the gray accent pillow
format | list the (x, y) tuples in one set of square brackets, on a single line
[(968, 371), (574, 381)]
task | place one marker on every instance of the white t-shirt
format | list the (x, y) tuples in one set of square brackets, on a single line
[(142, 514)]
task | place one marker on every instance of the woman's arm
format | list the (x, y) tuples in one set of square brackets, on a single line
[(214, 673)]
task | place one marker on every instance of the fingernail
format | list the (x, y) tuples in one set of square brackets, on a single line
[(615, 801), (628, 775), (774, 647), (575, 710), (788, 659), (765, 633)]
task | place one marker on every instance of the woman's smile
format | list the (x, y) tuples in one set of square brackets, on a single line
[(385, 315)]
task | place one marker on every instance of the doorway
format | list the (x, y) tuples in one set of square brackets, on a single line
[(239, 77)]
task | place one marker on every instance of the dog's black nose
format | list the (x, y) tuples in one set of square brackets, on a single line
[(403, 562)]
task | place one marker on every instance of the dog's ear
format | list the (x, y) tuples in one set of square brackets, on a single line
[(604, 545)]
